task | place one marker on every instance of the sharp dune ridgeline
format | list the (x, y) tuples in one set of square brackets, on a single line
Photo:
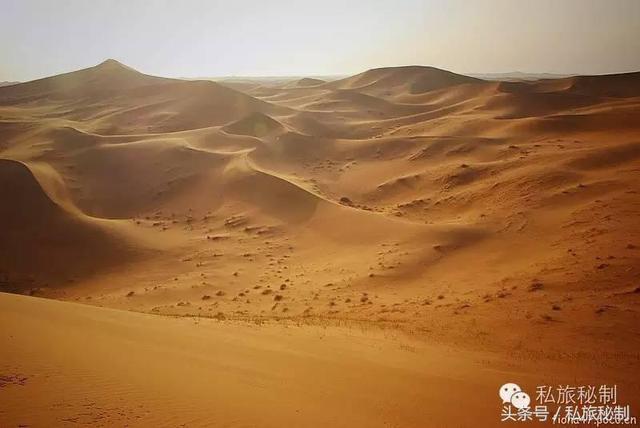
[(386, 240)]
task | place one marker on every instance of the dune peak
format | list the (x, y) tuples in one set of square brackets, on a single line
[(112, 64)]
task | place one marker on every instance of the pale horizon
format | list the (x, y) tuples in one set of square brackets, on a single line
[(249, 39)]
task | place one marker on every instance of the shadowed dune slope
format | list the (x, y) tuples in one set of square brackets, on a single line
[(43, 241), (256, 125)]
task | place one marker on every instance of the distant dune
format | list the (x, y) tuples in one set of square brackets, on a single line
[(517, 76), (390, 232), (395, 80), (308, 81)]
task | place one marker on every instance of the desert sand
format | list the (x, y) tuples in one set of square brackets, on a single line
[(357, 252)]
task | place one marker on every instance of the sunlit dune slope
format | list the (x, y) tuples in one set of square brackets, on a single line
[(118, 368)]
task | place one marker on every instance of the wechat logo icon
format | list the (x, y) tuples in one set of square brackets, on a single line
[(514, 395)]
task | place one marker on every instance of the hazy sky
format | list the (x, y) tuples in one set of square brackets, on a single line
[(287, 37)]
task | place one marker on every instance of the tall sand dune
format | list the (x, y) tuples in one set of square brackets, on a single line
[(393, 81)]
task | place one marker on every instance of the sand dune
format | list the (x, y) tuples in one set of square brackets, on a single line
[(46, 243), (151, 104), (481, 218), (623, 85), (393, 81), (107, 79), (233, 374), (309, 81), (256, 124)]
